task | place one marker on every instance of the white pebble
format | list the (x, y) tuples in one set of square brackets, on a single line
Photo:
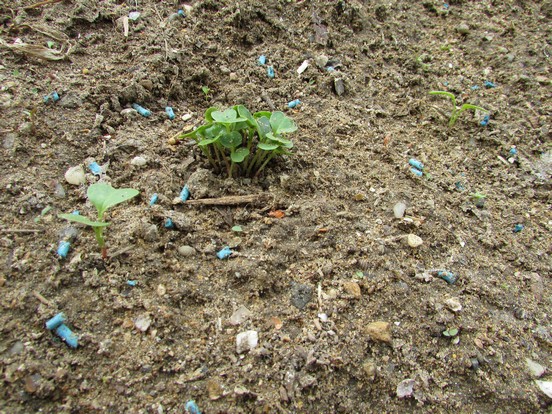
[(75, 175), (399, 209), (246, 341), (186, 251), (453, 304), (240, 316), (545, 386), (138, 161), (303, 67), (405, 388), (536, 369), (414, 241), (186, 117), (142, 322)]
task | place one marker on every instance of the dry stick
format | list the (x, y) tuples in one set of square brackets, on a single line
[(41, 3), (41, 298), (228, 201)]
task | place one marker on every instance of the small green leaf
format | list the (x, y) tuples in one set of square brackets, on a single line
[(229, 116), (103, 196), (205, 142), (260, 114), (231, 140), (285, 142), (50, 44), (239, 155), (208, 114), (264, 126), (266, 146), (243, 112), (281, 124), (237, 229), (83, 220)]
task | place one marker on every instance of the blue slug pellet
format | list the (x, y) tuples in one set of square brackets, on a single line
[(224, 253), (63, 249), (417, 172), (67, 335), (192, 408), (53, 96), (513, 151), (132, 282), (518, 228), (153, 199), (142, 111), (294, 103), (262, 60), (270, 72), (416, 164), (181, 13), (169, 223), (185, 193), (474, 88), (485, 120), (447, 276), (95, 168), (55, 321), (170, 112), (489, 84)]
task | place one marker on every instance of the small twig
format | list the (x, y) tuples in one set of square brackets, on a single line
[(228, 201), (41, 3), (41, 298), (21, 230)]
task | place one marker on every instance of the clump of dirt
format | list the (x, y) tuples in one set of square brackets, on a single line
[(354, 283)]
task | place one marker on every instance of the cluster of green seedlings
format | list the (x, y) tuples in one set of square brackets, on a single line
[(456, 110), (103, 197), (241, 143)]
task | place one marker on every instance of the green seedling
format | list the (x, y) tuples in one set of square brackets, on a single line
[(241, 143), (456, 111), (237, 229), (206, 90), (103, 197), (450, 332), (479, 199)]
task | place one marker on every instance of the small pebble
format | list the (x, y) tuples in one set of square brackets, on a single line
[(463, 29), (399, 209), (138, 161), (453, 304), (339, 86), (405, 388), (246, 341), (536, 369), (379, 331), (414, 241), (353, 289), (75, 175), (240, 316), (142, 322), (187, 251), (214, 389), (321, 61), (545, 386)]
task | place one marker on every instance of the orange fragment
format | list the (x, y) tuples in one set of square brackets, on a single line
[(277, 214), (276, 322)]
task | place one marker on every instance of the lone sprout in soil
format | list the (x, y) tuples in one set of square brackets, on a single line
[(241, 143), (456, 111), (103, 197), (206, 90)]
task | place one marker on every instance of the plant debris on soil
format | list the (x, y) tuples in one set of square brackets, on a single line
[(358, 274)]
